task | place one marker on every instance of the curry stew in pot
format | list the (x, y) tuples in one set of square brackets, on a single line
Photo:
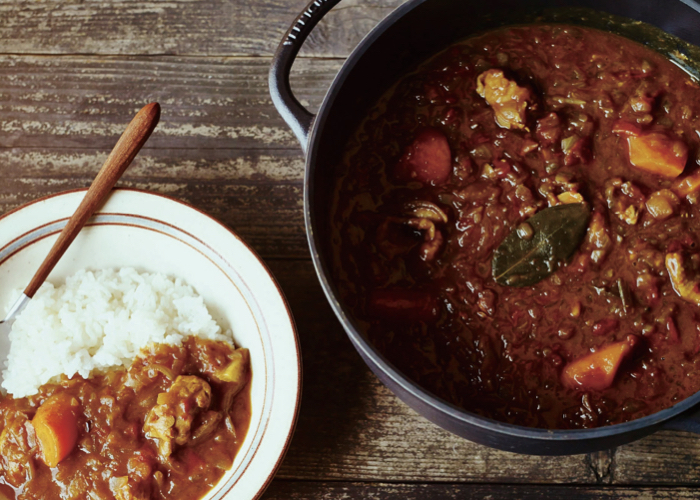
[(168, 427), (516, 227)]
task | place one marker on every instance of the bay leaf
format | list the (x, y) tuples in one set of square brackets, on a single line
[(526, 257)]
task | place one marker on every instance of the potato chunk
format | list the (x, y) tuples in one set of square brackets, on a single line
[(688, 185), (236, 372), (653, 152), (662, 204), (508, 100), (596, 371)]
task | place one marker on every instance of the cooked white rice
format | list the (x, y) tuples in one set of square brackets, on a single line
[(100, 320)]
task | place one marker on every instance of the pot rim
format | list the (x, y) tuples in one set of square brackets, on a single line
[(365, 347)]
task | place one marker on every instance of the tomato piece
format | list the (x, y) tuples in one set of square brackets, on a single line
[(596, 371), (56, 427), (428, 159), (653, 152), (403, 304)]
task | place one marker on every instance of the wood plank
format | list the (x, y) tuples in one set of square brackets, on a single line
[(85, 102), (257, 194), (667, 457), (288, 490), (207, 27), (222, 147), (351, 427)]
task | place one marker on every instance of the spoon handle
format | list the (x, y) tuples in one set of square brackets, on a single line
[(129, 144)]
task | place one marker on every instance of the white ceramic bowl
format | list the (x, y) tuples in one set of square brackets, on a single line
[(156, 234)]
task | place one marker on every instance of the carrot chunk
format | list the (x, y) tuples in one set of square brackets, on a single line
[(596, 371), (56, 427), (653, 152), (428, 159)]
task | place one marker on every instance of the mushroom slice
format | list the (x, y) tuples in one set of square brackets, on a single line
[(426, 210)]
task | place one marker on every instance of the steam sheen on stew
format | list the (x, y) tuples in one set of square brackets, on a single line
[(515, 225)]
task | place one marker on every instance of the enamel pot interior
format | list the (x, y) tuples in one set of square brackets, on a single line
[(412, 33)]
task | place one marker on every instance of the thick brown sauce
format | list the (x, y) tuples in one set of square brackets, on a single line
[(111, 442), (496, 350)]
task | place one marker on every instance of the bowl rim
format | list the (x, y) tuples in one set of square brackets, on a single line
[(263, 482)]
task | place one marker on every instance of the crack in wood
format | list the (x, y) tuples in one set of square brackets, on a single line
[(602, 465)]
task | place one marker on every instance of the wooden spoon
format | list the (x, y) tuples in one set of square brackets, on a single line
[(128, 145)]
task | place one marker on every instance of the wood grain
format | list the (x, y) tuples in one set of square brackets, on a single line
[(288, 490), (220, 146), (85, 102), (666, 457), (257, 194), (178, 27)]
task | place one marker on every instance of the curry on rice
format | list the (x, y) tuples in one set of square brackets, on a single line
[(169, 426)]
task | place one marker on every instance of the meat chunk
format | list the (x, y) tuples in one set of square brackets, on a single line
[(597, 239), (625, 199), (427, 159), (170, 421), (236, 371), (16, 441), (508, 100), (124, 489)]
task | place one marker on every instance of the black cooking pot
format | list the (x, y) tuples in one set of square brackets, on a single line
[(414, 31)]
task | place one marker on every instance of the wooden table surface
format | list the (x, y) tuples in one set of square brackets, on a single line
[(72, 74)]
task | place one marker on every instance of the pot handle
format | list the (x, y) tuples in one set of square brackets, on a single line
[(297, 116), (688, 421)]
